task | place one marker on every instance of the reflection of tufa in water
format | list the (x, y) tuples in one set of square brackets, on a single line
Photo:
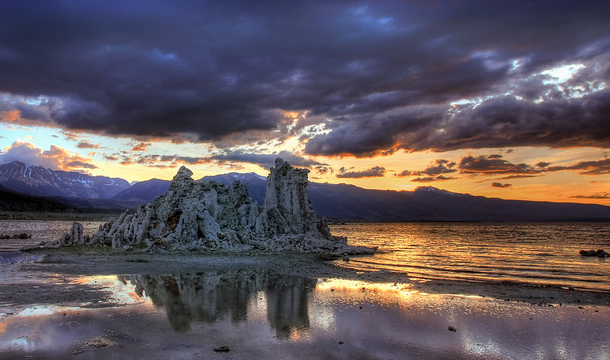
[(208, 215), (211, 296)]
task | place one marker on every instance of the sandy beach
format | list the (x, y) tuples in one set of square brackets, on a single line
[(101, 303)]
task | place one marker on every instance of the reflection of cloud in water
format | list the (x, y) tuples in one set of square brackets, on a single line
[(210, 296)]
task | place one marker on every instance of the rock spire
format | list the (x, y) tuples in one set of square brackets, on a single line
[(205, 215)]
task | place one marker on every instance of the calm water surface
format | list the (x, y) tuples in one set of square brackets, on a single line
[(40, 231), (531, 253), (264, 315), (260, 314)]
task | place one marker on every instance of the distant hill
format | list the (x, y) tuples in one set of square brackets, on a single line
[(147, 191), (431, 204), (446, 205), (12, 201), (348, 202), (342, 201), (41, 181), (144, 191)]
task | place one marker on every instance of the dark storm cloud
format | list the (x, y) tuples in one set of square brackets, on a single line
[(510, 177), (595, 197), (473, 165), (597, 167), (498, 122), (507, 121), (376, 171), (383, 71), (429, 179), (440, 166), (493, 165), (264, 160), (496, 165), (375, 134), (322, 170), (500, 185)]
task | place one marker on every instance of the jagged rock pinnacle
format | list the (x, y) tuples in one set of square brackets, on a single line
[(207, 215)]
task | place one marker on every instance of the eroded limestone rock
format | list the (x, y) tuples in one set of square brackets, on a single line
[(208, 215), (287, 209), (191, 215), (74, 237)]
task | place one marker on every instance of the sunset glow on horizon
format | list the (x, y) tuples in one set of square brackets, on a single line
[(506, 99)]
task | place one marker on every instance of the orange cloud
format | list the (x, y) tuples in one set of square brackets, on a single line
[(500, 185), (10, 116), (66, 161), (70, 135), (55, 158), (143, 146), (376, 171), (15, 116)]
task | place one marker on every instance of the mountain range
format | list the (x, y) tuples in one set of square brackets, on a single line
[(333, 201), (41, 181)]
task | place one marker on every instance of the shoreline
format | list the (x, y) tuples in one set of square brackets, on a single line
[(103, 215), (77, 261), (109, 303)]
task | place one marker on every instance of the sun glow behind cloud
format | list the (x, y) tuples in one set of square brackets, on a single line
[(561, 74)]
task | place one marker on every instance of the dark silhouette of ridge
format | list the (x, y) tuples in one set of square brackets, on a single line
[(345, 202), (13, 201)]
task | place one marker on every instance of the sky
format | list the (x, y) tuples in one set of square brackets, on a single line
[(507, 99)]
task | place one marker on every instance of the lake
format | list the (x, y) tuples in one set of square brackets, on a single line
[(527, 253), (243, 310)]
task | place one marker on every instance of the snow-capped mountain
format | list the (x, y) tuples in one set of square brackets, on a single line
[(41, 181), (349, 202), (333, 201)]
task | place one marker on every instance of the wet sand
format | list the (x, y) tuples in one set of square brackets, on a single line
[(101, 303), (67, 262)]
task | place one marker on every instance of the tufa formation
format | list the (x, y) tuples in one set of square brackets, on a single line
[(208, 216)]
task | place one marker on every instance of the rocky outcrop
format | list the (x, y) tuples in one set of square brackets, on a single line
[(599, 253), (76, 236), (190, 215), (287, 209), (287, 220), (207, 215)]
